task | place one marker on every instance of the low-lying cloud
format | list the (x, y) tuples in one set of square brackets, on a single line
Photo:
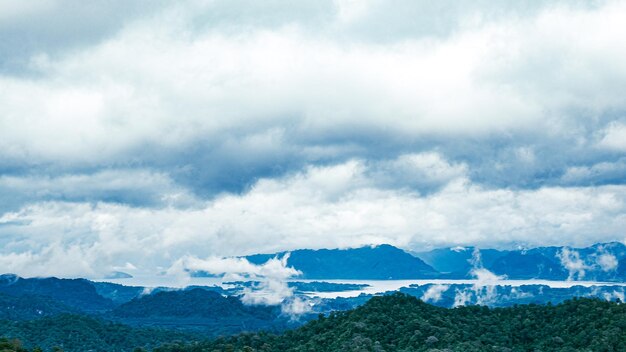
[(269, 280), (341, 205)]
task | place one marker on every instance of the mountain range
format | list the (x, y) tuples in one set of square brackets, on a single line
[(113, 315), (600, 262)]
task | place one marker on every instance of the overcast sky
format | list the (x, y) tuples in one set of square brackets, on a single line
[(136, 133)]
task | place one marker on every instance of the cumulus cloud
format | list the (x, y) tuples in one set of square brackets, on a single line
[(334, 206), (601, 173), (34, 32), (614, 137), (208, 88), (143, 133), (421, 171), (130, 186)]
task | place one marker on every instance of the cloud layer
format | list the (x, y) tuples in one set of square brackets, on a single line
[(143, 132)]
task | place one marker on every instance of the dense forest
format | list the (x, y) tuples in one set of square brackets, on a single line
[(71, 332), (396, 322), (403, 323)]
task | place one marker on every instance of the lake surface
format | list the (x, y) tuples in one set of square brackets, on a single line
[(374, 286), (378, 286)]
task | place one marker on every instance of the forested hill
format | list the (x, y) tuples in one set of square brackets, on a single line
[(396, 322), (404, 323)]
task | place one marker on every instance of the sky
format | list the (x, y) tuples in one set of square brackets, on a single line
[(136, 134)]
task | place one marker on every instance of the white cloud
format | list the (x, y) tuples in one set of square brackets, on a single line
[(163, 81), (614, 137), (484, 290), (434, 292), (571, 261), (462, 297), (335, 206), (333, 128), (607, 262), (270, 287), (615, 295)]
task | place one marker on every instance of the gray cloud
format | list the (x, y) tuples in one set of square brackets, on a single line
[(38, 31), (335, 206), (132, 186), (349, 116)]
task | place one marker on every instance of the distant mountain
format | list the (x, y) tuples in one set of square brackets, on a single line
[(76, 293), (457, 262), (522, 265), (600, 262), (117, 293), (366, 263)]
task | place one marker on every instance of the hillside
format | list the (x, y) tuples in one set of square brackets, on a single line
[(75, 333), (396, 322), (76, 293), (366, 263), (25, 307), (190, 303), (200, 310), (403, 323)]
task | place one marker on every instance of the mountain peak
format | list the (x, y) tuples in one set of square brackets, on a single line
[(378, 262)]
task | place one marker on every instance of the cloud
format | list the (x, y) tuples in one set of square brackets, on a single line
[(119, 186), (607, 262), (423, 171), (462, 297), (601, 173), (146, 132), (484, 290), (206, 89), (614, 137), (270, 278), (321, 207), (615, 295), (37, 31), (434, 292), (571, 261)]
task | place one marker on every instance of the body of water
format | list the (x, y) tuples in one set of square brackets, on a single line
[(374, 286)]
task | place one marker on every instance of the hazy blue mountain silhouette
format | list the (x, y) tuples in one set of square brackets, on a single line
[(599, 262), (521, 265), (374, 263), (457, 262), (76, 293)]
